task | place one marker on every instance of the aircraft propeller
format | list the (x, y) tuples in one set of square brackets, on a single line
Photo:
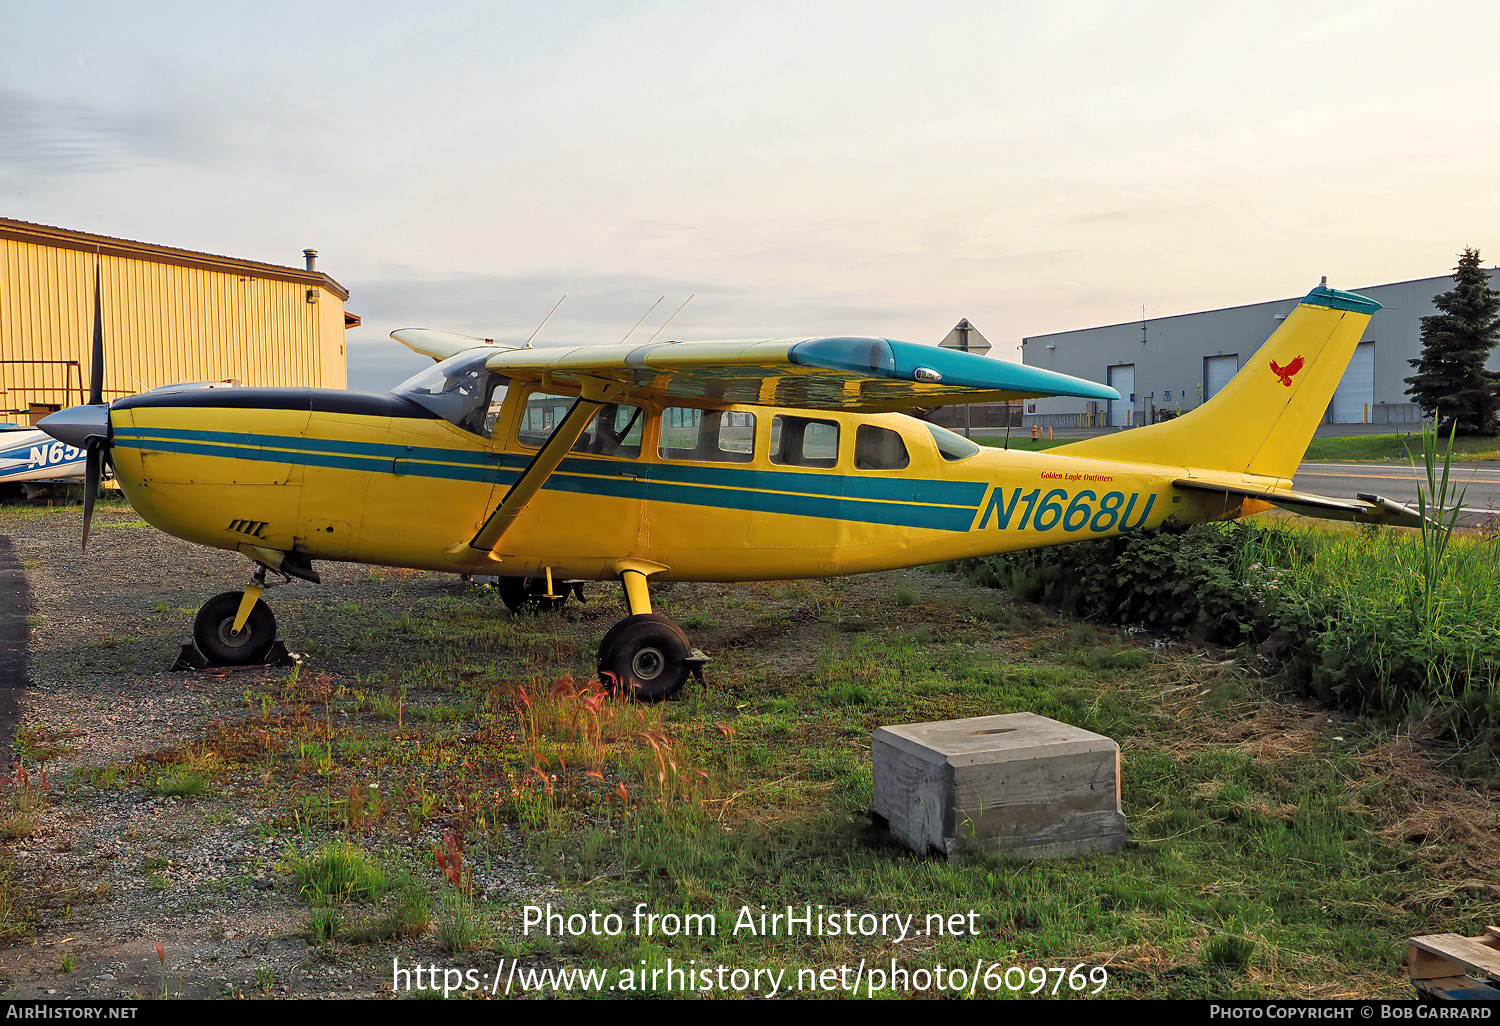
[(87, 427)]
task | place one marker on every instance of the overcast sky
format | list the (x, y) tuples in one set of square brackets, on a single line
[(803, 168)]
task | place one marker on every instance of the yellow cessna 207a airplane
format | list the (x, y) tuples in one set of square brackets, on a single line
[(686, 461)]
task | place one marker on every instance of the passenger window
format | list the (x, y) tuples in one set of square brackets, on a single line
[(615, 430), (804, 442), (714, 436), (878, 448)]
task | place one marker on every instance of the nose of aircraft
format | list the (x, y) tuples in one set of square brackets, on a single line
[(78, 426), (87, 428)]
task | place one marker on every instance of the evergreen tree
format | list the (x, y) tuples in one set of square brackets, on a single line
[(1451, 378)]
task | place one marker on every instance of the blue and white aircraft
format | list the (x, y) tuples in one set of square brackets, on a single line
[(31, 456)]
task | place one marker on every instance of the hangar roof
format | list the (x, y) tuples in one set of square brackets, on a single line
[(67, 238)]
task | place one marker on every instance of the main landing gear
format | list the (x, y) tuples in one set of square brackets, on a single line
[(537, 595), (646, 655)]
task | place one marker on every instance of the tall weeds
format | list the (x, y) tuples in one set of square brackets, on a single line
[(1440, 506)]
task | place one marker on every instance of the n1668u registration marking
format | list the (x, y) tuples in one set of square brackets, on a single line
[(1057, 509)]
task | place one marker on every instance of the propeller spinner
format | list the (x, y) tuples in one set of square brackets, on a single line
[(87, 427)]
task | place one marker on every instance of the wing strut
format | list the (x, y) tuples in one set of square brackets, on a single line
[(595, 394)]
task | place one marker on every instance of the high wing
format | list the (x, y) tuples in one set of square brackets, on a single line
[(1366, 509), (855, 374)]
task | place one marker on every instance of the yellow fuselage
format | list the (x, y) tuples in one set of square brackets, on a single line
[(349, 481)]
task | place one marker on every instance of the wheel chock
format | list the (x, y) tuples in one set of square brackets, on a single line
[(696, 660), (189, 658)]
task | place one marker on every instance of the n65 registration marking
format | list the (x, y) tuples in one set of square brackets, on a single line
[(51, 455), (1054, 509)]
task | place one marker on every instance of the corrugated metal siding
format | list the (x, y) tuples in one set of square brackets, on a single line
[(163, 324)]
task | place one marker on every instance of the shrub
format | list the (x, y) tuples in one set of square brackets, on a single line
[(1362, 618)]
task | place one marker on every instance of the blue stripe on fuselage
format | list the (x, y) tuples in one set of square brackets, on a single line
[(939, 505)]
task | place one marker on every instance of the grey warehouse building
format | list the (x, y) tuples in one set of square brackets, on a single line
[(1167, 365)]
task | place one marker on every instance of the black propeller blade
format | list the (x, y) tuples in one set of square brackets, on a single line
[(93, 461), (87, 426), (92, 471), (96, 370)]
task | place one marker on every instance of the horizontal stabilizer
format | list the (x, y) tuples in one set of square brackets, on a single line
[(1367, 509)]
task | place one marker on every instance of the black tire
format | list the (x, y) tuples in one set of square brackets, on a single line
[(645, 657), (528, 595), (213, 635)]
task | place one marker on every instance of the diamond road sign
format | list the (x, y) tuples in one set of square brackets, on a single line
[(966, 338)]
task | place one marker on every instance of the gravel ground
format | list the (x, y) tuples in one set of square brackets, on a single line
[(110, 874)]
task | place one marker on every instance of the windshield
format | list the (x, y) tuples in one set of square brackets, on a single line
[(952, 446), (461, 390)]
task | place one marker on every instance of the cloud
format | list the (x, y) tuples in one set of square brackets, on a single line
[(210, 124), (42, 138)]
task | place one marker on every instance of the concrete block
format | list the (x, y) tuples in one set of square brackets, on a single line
[(1019, 782)]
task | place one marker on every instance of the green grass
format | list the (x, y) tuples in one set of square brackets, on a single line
[(1399, 447), (337, 873), (182, 782), (1021, 439), (1268, 850)]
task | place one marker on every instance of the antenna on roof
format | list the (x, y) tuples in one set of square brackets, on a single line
[(663, 327), (643, 318), (539, 327)]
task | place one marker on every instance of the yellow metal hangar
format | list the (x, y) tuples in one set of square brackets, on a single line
[(170, 315)]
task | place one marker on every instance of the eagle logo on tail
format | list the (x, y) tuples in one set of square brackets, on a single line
[(1286, 373)]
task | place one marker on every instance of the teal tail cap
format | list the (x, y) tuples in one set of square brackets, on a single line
[(1325, 296), (887, 358)]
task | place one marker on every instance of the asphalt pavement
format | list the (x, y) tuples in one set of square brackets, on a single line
[(15, 608), (1480, 482)]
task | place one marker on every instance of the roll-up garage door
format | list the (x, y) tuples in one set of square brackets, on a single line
[(1356, 389), (1122, 378), (1217, 370)]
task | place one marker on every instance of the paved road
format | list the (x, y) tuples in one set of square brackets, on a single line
[(15, 606), (1480, 481)]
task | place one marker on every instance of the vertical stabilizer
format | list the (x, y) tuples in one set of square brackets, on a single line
[(1262, 421)]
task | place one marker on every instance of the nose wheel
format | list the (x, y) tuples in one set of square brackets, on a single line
[(225, 638), (646, 656)]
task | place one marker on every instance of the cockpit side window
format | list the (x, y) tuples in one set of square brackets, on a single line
[(461, 390), (616, 430), (953, 447)]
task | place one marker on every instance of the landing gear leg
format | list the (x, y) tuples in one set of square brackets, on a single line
[(236, 628), (537, 595), (646, 655)]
